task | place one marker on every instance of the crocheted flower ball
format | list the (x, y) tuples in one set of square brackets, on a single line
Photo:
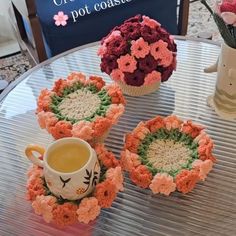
[(63, 212), (138, 55), (80, 107), (167, 154)]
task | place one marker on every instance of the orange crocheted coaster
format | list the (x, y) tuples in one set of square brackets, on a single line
[(80, 107), (63, 212), (167, 154)]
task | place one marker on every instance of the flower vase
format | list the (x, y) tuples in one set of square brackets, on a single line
[(223, 101)]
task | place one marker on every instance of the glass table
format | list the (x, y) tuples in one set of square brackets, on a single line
[(210, 209)]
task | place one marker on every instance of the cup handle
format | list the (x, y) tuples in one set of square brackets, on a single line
[(30, 155)]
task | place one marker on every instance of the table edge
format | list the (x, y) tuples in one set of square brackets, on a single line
[(50, 60)]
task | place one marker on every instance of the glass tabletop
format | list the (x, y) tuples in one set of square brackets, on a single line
[(210, 209)]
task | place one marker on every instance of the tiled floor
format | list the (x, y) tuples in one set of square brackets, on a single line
[(8, 47)]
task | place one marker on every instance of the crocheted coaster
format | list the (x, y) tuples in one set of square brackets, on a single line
[(80, 107), (65, 212), (167, 154)]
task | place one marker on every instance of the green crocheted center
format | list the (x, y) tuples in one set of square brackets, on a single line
[(80, 102), (168, 151)]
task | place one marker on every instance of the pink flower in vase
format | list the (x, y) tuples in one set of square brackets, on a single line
[(153, 77), (150, 22), (229, 18), (117, 75), (127, 63), (139, 48), (60, 18)]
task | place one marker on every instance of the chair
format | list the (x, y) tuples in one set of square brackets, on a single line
[(44, 39)]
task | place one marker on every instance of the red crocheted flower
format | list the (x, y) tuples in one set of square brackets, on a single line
[(109, 63), (131, 30), (135, 79), (150, 35), (148, 64), (141, 176), (118, 46), (227, 6), (186, 180), (105, 193)]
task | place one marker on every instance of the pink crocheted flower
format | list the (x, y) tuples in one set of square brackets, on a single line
[(76, 77), (127, 63), (65, 214), (158, 48), (152, 77), (204, 167), (62, 129), (102, 50), (34, 172), (172, 122), (83, 130), (34, 188), (141, 176), (229, 18), (163, 183), (116, 177), (129, 160), (192, 129), (88, 210), (141, 131), (107, 158), (112, 36), (150, 22), (60, 18), (44, 100), (166, 58), (117, 75), (114, 112), (139, 48), (43, 205), (46, 119), (160, 52)]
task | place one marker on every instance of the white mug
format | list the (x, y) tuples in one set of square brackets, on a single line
[(73, 185)]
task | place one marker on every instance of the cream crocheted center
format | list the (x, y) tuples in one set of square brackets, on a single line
[(167, 154), (80, 104)]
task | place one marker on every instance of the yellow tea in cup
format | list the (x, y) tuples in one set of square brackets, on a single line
[(68, 157)]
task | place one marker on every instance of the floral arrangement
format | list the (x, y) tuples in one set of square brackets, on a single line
[(64, 212), (167, 154), (225, 18), (138, 55), (80, 107)]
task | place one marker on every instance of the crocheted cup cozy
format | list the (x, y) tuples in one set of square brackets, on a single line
[(138, 55), (80, 107), (63, 212), (167, 154)]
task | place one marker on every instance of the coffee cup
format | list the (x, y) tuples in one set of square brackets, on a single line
[(70, 166)]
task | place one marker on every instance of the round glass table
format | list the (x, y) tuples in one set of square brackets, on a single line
[(210, 209)]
